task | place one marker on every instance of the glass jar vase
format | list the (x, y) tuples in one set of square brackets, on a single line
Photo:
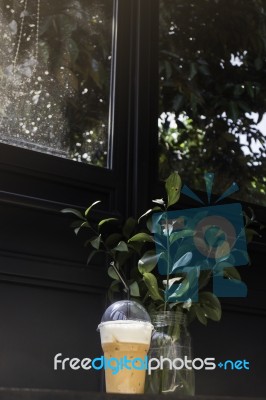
[(171, 346)]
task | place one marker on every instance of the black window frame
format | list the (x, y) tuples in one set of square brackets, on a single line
[(132, 129)]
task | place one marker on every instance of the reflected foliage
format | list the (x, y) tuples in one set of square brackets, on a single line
[(213, 92), (69, 75)]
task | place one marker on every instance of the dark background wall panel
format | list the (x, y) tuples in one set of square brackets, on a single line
[(36, 324), (20, 267), (39, 233), (237, 336)]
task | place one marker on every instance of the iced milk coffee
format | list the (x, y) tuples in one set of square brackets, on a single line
[(128, 339)]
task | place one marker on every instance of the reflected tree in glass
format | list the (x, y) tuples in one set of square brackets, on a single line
[(212, 93), (55, 73)]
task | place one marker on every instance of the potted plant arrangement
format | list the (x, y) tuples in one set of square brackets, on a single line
[(152, 260)]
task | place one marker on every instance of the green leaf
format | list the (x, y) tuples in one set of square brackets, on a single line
[(76, 223), (181, 251), (122, 246), (122, 257), (158, 201), (153, 223), (173, 281), (156, 227), (149, 225), (200, 244), (112, 273), (103, 221), (250, 233), (181, 234), (90, 207), (91, 255), (136, 247), (184, 260), (134, 289), (232, 273), (211, 305), (84, 224), (214, 236), (73, 211), (200, 314), (144, 215), (192, 222), (95, 242), (141, 237), (223, 252), (219, 267), (156, 208), (191, 315), (129, 227), (148, 261), (152, 285), (180, 291), (112, 240), (193, 70), (72, 49), (173, 188), (240, 253), (178, 101), (175, 334), (204, 278), (234, 111)]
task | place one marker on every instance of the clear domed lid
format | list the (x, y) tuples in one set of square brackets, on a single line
[(126, 310)]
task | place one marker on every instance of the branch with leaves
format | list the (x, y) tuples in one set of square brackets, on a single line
[(136, 251)]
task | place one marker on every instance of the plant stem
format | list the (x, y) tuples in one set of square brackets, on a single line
[(145, 297), (168, 262), (122, 280)]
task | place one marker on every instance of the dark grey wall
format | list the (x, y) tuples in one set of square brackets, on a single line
[(36, 324), (241, 334), (50, 301), (237, 337)]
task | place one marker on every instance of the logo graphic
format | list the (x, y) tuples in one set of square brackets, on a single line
[(209, 238), (146, 363)]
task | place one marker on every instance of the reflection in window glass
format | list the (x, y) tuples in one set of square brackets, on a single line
[(55, 62), (213, 93)]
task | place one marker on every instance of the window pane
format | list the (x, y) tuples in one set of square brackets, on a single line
[(213, 93), (55, 67)]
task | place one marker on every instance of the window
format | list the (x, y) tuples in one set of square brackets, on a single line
[(89, 56), (55, 77), (212, 113)]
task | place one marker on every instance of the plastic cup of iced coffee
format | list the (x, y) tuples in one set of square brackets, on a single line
[(125, 332)]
